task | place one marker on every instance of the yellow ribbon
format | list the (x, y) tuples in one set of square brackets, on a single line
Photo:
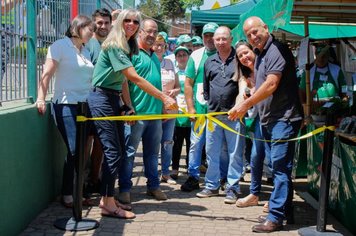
[(200, 123)]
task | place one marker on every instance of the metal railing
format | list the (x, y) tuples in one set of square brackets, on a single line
[(51, 19)]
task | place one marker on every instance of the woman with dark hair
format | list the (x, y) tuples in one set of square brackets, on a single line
[(109, 80), (69, 62), (245, 60)]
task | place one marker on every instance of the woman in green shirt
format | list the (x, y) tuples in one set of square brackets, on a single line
[(112, 67)]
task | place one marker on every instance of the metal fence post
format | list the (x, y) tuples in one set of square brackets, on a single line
[(74, 9), (98, 4), (31, 55)]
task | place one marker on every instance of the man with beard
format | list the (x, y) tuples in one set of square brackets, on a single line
[(148, 66), (102, 19)]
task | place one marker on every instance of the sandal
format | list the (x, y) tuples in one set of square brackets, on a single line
[(118, 213), (249, 200), (123, 206)]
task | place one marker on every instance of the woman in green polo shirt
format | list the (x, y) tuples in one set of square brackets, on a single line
[(110, 71)]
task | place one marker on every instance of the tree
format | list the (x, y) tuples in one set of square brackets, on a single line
[(152, 9), (172, 9), (189, 4)]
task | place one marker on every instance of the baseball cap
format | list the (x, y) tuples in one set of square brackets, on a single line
[(164, 35), (197, 40), (181, 48), (210, 27), (183, 39)]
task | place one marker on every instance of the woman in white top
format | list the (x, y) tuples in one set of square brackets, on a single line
[(171, 87), (68, 61)]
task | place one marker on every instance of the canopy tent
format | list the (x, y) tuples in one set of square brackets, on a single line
[(229, 15), (282, 15)]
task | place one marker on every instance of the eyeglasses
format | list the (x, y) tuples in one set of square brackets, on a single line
[(154, 32), (136, 22)]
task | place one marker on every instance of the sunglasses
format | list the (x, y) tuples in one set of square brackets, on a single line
[(136, 22)]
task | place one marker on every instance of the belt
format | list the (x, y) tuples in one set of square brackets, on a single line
[(108, 91)]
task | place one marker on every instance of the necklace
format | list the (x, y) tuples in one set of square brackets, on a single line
[(78, 51)]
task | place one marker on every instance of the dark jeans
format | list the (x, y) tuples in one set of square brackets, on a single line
[(104, 103), (65, 115), (180, 134), (282, 154)]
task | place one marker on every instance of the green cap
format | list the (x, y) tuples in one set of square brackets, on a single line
[(183, 39), (164, 35), (210, 27), (181, 48), (197, 40)]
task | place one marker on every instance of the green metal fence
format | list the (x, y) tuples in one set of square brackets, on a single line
[(27, 29)]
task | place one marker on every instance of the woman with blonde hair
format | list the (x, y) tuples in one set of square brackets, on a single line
[(113, 66)]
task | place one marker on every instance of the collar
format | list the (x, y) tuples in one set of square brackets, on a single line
[(229, 58), (267, 45), (149, 52)]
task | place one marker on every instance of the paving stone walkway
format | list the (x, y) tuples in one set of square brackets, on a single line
[(183, 213)]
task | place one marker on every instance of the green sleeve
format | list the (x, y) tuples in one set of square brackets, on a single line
[(190, 69), (119, 60)]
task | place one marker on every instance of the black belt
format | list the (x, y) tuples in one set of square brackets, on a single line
[(108, 91)]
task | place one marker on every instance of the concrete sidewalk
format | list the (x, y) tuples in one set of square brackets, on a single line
[(182, 214)]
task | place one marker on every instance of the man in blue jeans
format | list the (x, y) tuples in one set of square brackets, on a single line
[(221, 91), (148, 66), (280, 114), (193, 91)]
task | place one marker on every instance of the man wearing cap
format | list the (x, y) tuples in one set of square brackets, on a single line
[(197, 42), (281, 114), (221, 91), (193, 90), (326, 79)]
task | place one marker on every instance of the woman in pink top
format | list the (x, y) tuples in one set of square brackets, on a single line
[(170, 86)]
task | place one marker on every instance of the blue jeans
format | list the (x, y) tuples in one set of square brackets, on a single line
[(195, 151), (167, 145), (257, 159), (151, 133), (111, 135), (282, 154), (235, 147), (65, 115)]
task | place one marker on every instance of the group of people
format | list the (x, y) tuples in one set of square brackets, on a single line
[(121, 68)]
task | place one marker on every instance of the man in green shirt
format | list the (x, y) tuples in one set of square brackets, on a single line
[(102, 19), (193, 90), (147, 65)]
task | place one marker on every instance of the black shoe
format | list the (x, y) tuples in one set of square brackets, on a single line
[(190, 185)]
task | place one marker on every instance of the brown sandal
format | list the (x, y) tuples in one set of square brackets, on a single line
[(123, 206), (118, 213)]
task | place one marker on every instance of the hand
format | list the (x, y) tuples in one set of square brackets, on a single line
[(171, 93), (192, 111), (130, 112), (41, 106), (170, 103), (237, 112)]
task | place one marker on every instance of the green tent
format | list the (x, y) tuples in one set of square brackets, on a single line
[(277, 15), (229, 15)]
